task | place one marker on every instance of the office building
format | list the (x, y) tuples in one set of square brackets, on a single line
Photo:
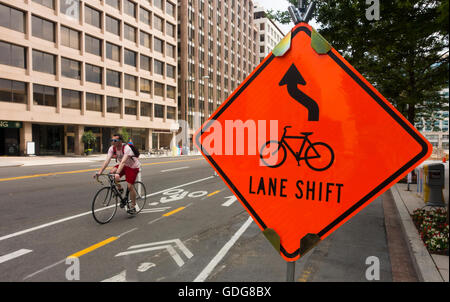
[(217, 51), (70, 66), (269, 35)]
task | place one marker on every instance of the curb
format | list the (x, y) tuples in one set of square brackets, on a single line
[(423, 263), (11, 165)]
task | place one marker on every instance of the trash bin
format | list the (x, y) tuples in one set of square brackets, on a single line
[(434, 185)]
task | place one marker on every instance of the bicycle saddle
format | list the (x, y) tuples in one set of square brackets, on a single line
[(306, 133)]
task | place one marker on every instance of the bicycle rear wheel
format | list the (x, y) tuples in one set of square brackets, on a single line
[(104, 205), (272, 154), (141, 196)]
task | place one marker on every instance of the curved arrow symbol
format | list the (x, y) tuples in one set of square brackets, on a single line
[(292, 78)]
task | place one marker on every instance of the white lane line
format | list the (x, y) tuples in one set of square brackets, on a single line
[(210, 267), (13, 255), (230, 201), (174, 169), (88, 213)]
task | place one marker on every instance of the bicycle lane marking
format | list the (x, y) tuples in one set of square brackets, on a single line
[(89, 212)]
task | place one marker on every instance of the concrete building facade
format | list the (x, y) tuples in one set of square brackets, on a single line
[(70, 66), (269, 35), (217, 51)]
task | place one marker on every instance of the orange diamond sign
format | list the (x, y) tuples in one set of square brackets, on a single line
[(305, 142)]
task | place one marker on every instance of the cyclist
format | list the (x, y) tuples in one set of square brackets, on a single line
[(128, 165)]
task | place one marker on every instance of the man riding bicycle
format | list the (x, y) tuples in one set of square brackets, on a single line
[(128, 165)]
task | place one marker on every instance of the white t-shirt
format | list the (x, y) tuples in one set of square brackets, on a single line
[(132, 162)]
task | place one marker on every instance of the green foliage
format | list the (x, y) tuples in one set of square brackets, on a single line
[(125, 134), (88, 138), (404, 54)]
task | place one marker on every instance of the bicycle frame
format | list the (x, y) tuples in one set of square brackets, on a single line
[(296, 155), (114, 188)]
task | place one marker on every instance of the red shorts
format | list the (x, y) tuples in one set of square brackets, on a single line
[(130, 174)]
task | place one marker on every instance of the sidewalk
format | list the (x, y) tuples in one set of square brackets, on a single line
[(18, 161), (429, 267)]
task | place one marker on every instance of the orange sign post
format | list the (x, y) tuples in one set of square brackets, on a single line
[(305, 143)]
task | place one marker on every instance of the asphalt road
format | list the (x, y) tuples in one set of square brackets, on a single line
[(190, 230)]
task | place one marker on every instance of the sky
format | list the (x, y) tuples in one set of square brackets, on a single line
[(280, 5)]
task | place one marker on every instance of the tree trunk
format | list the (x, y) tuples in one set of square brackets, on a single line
[(411, 113)]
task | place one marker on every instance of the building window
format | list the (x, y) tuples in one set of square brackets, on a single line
[(13, 55), (146, 109), (44, 95), (170, 9), (113, 104), (171, 112), (13, 91), (112, 25), (12, 18), (48, 3), (158, 4), (159, 67), (94, 74), (130, 82), (44, 62), (170, 30), (158, 45), (170, 71), (70, 68), (170, 92), (43, 29), (170, 50), (93, 45), (130, 57), (145, 86), (92, 16), (113, 78), (71, 99), (113, 3), (129, 32), (145, 16), (158, 23), (145, 63), (112, 52), (145, 40), (130, 107), (159, 89), (94, 102), (159, 111), (70, 37), (70, 9), (129, 8)]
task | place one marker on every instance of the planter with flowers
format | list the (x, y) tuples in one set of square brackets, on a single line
[(433, 228)]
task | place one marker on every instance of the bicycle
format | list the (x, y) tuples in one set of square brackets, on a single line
[(318, 156), (104, 205)]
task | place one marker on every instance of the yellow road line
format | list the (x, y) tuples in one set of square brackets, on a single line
[(174, 211), (94, 247), (87, 170), (213, 193)]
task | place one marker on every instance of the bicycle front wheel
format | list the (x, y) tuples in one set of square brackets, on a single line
[(141, 196), (104, 205)]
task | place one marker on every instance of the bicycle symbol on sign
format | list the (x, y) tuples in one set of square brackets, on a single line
[(318, 155)]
